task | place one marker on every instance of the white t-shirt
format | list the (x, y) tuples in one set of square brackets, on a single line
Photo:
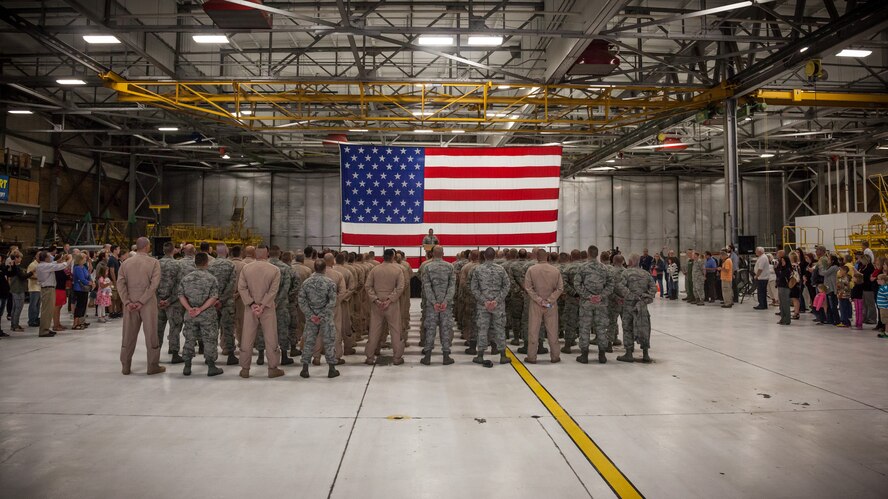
[(762, 268)]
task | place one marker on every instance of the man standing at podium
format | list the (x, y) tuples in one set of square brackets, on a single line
[(430, 240)]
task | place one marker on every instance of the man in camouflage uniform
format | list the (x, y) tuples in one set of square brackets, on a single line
[(225, 272), (468, 303), (422, 296), (640, 292), (282, 302), (198, 293), (168, 306), (615, 305), (516, 302), (509, 259), (317, 300), (175, 312), (297, 318), (594, 283), (699, 277), (689, 282), (461, 261), (489, 287), (571, 302), (438, 287)]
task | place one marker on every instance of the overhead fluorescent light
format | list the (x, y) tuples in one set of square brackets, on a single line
[(664, 146), (883, 147), (552, 144), (168, 129), (803, 49), (226, 156), (611, 161), (245, 112), (603, 169), (435, 40), (423, 130), (854, 53), (503, 87), (500, 115), (70, 81), (20, 111), (766, 155), (358, 130), (457, 130), (422, 113), (210, 38), (485, 40), (550, 133), (100, 39)]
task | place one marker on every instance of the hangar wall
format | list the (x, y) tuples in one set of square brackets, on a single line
[(631, 212)]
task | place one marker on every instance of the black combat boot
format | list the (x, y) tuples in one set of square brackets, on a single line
[(493, 349), (304, 372), (515, 341), (200, 347), (472, 350), (479, 359), (447, 359), (610, 348), (212, 370), (584, 356), (426, 358), (523, 349), (332, 372), (177, 359), (232, 360), (617, 342), (285, 360), (261, 360), (187, 370), (567, 347), (295, 352), (646, 358), (602, 357), (627, 357)]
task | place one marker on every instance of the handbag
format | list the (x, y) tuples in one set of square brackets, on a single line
[(794, 279)]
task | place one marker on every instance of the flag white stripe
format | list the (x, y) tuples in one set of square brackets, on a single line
[(492, 161), (450, 229), (490, 206), (467, 184)]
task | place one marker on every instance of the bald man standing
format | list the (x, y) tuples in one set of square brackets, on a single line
[(137, 284), (384, 286), (258, 286), (544, 285)]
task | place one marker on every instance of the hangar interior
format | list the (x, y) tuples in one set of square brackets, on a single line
[(682, 124)]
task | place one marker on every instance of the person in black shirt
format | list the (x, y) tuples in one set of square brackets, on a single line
[(783, 271)]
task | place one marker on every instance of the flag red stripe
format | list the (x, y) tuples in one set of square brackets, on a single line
[(489, 194), (492, 172), (455, 217), (495, 151), (452, 240)]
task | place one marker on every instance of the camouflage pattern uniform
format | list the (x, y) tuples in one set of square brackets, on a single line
[(198, 287), (282, 302), (166, 291), (467, 311), (699, 280), (458, 296), (516, 303), (641, 290), (689, 282), (615, 305), (438, 286), (176, 312), (571, 304), (317, 296), (223, 270), (592, 278), (490, 283)]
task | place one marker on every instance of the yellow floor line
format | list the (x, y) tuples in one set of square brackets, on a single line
[(615, 478)]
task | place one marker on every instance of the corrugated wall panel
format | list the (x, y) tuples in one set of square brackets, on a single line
[(293, 210)]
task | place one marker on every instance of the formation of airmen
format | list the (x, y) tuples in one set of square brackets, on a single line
[(291, 306)]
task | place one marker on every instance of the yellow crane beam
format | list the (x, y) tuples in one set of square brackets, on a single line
[(813, 98)]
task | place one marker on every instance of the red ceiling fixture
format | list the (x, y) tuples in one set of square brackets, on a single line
[(229, 15), (597, 60)]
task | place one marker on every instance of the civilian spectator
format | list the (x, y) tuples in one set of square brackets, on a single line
[(762, 272)]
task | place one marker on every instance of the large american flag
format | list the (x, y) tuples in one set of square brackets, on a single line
[(472, 197)]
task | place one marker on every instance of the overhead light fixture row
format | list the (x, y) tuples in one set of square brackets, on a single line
[(20, 111), (210, 38), (167, 129), (70, 81), (485, 40), (854, 53), (101, 39), (435, 40)]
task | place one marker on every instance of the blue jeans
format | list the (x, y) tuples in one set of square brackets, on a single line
[(832, 310), (845, 311), (34, 309), (659, 280), (761, 291)]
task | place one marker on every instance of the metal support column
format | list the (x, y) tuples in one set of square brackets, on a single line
[(847, 187), (732, 171), (131, 197), (865, 182), (783, 188)]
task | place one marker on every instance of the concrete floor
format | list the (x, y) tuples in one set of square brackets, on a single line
[(734, 406)]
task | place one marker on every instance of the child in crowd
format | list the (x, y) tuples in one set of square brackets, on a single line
[(882, 300), (819, 305), (843, 294), (672, 273), (857, 299), (103, 294)]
